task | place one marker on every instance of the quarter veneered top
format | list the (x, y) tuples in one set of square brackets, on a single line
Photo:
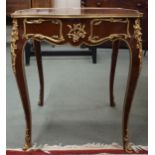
[(76, 13)]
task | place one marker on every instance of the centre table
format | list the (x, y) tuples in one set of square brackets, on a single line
[(77, 26)]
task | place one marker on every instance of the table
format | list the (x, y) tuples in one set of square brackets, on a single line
[(85, 26)]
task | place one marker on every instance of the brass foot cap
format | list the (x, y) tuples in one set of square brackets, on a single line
[(26, 147)]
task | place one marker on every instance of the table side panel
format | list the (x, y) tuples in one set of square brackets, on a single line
[(77, 31)]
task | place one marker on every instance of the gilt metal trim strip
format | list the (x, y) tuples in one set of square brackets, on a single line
[(14, 38), (137, 35)]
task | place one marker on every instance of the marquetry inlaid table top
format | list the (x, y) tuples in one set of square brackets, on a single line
[(77, 12)]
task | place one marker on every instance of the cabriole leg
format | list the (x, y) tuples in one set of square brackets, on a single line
[(37, 49), (135, 66), (115, 46), (17, 45)]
